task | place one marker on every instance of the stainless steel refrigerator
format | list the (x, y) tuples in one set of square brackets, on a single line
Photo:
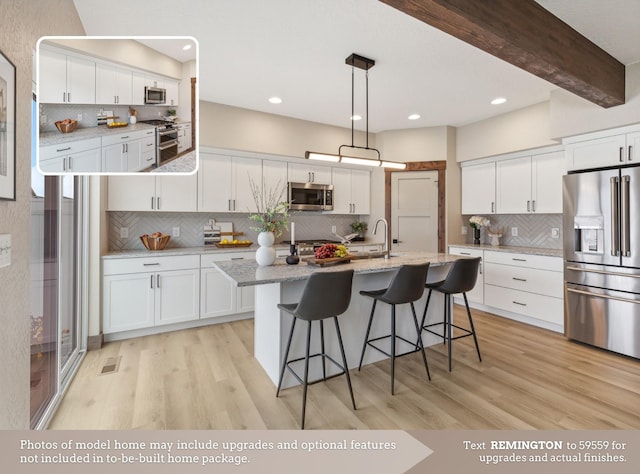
[(601, 221)]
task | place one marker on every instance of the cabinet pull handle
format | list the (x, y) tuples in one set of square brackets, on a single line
[(151, 281), (68, 96), (158, 281), (465, 253), (629, 157), (519, 279), (70, 163), (64, 97), (313, 177), (152, 202), (528, 206), (229, 205), (150, 264), (492, 206), (63, 149), (64, 164), (158, 203), (621, 158), (533, 205), (125, 137), (237, 258), (519, 259), (519, 304)]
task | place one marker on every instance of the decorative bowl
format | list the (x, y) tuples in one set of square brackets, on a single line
[(155, 242), (66, 126)]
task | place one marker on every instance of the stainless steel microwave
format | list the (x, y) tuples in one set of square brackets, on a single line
[(155, 95), (310, 197)]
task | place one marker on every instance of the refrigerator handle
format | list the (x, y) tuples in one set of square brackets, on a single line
[(615, 218), (624, 216)]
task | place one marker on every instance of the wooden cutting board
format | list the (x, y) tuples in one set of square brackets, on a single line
[(321, 262)]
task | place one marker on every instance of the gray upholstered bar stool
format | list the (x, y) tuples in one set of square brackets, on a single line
[(406, 286), (461, 278), (325, 295)]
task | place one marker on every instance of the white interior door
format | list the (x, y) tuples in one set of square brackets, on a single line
[(414, 211)]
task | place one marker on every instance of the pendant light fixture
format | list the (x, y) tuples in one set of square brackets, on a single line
[(360, 62)]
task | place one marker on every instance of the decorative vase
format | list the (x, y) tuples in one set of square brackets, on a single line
[(132, 120), (476, 235), (293, 259), (266, 254), (495, 239)]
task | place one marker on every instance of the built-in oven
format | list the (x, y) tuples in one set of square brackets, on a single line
[(167, 140)]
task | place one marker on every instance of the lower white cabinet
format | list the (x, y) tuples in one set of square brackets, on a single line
[(150, 291), (82, 156), (218, 295), (477, 294)]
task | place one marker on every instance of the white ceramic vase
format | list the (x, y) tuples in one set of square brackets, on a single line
[(266, 254), (132, 119)]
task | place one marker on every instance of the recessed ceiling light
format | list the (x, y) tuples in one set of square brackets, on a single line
[(414, 117), (275, 100), (186, 47), (356, 117), (498, 101)]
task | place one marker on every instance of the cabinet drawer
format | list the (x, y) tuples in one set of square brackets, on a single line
[(533, 280), (545, 308), (64, 149), (149, 264), (206, 260), (123, 137), (542, 262), (466, 252)]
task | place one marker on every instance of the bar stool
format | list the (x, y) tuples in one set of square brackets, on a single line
[(325, 295), (461, 278), (406, 286)]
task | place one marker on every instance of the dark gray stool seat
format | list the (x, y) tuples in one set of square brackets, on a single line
[(325, 295), (461, 278), (406, 286)]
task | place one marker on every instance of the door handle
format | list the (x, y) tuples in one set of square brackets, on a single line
[(624, 211), (606, 297), (615, 217)]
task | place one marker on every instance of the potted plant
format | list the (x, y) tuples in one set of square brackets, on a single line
[(359, 227), (171, 114), (271, 218)]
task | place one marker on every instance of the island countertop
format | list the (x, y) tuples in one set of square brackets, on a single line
[(249, 273)]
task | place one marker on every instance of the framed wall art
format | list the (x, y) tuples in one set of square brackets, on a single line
[(7, 129)]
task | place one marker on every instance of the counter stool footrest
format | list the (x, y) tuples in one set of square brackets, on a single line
[(413, 344), (322, 379)]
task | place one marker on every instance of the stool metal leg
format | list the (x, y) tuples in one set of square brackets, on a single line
[(286, 355), (473, 330), (393, 344), (324, 366), (448, 327), (344, 362), (306, 375), (426, 306), (366, 337), (424, 356)]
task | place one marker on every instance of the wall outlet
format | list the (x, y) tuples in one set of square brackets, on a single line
[(176, 232), (514, 232), (43, 119), (555, 233), (464, 230), (79, 117), (333, 229), (124, 232)]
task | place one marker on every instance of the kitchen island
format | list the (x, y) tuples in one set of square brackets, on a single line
[(282, 283)]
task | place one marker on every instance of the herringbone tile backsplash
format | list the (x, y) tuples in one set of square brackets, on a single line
[(534, 230), (308, 226)]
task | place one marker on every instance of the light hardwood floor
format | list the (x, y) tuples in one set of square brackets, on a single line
[(207, 378)]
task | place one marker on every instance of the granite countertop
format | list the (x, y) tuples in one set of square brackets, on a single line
[(186, 163), (57, 138), (248, 273), (513, 249), (177, 251)]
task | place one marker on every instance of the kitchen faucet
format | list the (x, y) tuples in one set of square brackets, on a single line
[(386, 235)]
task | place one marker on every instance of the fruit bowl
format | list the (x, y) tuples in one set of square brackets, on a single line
[(66, 125), (155, 241)]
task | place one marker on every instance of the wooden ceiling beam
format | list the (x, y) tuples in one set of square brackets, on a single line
[(523, 33)]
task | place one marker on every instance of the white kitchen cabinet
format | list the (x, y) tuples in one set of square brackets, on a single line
[(274, 177), (173, 92), (225, 183), (66, 79), (113, 85), (123, 152), (82, 156), (351, 191), (477, 293), (601, 149), (153, 193), (479, 188), (530, 184), (528, 285), (137, 88), (218, 295), (149, 291), (184, 136), (308, 173)]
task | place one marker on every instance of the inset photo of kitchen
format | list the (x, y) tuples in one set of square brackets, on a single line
[(117, 105)]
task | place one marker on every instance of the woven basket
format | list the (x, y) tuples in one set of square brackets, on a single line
[(66, 127), (155, 243)]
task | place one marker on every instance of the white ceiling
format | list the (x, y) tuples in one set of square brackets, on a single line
[(251, 50)]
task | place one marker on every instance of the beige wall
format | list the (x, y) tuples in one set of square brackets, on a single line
[(22, 24), (124, 51), (572, 115), (414, 144), (514, 131)]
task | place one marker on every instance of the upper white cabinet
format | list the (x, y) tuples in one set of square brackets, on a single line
[(602, 149), (274, 177), (309, 173), (530, 184), (351, 191), (479, 189), (66, 79), (224, 183), (153, 193), (137, 88), (113, 85), (173, 92)]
